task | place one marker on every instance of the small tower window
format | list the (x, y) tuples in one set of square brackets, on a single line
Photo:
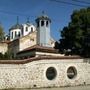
[(15, 34), (18, 34), (26, 29), (12, 35), (38, 24), (22, 31), (31, 29), (42, 23), (46, 23)]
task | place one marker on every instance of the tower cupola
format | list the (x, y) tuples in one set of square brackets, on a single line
[(15, 30)]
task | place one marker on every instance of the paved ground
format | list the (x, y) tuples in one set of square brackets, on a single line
[(68, 88), (63, 88)]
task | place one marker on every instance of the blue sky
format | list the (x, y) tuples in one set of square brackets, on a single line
[(59, 13)]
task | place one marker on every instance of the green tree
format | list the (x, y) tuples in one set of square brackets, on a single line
[(76, 36), (8, 55), (1, 56), (1, 33)]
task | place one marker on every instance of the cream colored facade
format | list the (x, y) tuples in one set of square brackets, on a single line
[(3, 47), (27, 41)]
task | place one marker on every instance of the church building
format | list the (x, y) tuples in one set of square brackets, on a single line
[(23, 36)]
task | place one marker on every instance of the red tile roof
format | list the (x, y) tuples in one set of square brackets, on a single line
[(5, 42), (39, 48)]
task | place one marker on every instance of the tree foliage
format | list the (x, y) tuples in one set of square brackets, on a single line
[(76, 36), (7, 56), (1, 33)]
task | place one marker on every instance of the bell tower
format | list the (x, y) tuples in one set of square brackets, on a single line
[(43, 30)]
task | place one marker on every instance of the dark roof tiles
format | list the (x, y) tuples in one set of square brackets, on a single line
[(43, 17), (17, 26)]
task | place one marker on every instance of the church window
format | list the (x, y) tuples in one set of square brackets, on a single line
[(15, 34), (18, 34), (22, 31), (71, 72), (38, 24), (46, 23), (51, 73), (12, 35), (42, 23), (31, 29), (26, 28)]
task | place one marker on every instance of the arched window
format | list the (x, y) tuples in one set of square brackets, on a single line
[(15, 34), (38, 24), (12, 35), (18, 34), (42, 23), (22, 31), (26, 29), (31, 29), (47, 23)]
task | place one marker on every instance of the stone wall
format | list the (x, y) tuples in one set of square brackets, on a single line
[(33, 74)]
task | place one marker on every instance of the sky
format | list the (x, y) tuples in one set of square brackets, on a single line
[(58, 12)]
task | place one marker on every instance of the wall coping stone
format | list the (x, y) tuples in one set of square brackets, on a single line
[(39, 58)]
